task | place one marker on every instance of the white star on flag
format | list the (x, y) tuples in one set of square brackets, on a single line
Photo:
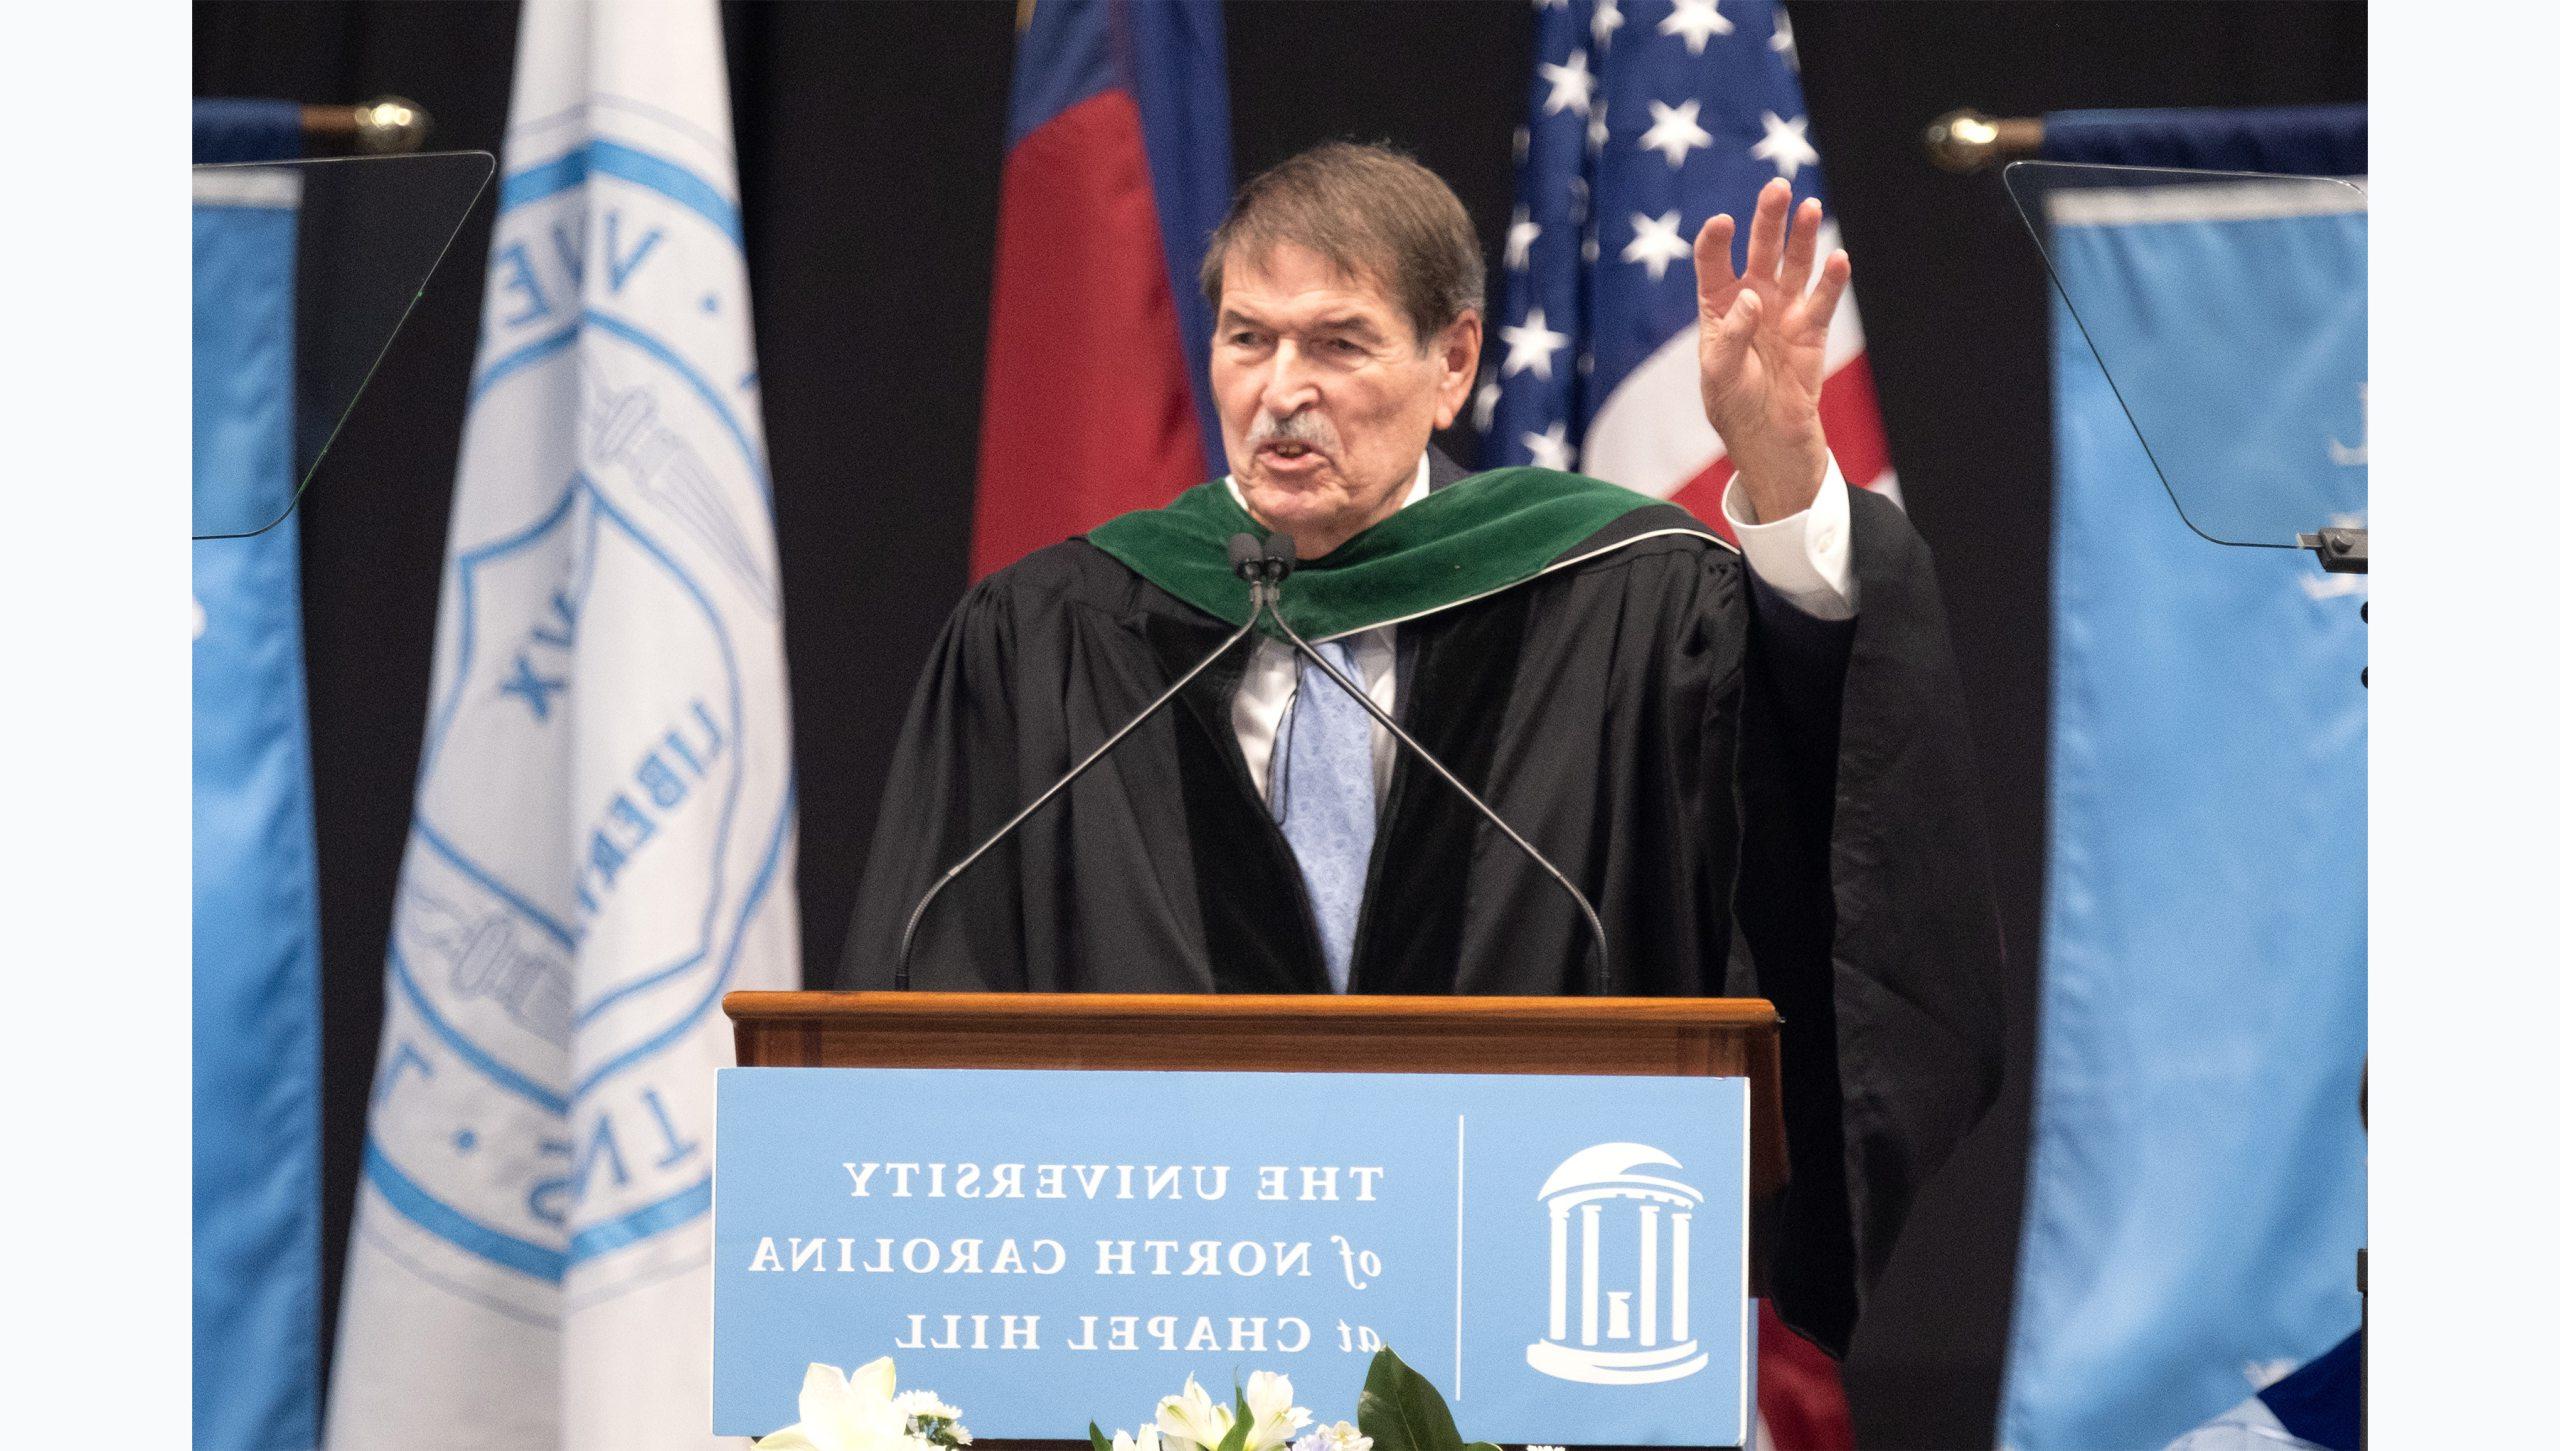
[(1693, 21), (1515, 245), (1783, 39), (1784, 144), (1597, 134), (1487, 395), (1657, 244), (1675, 132), (1548, 450), (1605, 20), (1572, 82), (1532, 345)]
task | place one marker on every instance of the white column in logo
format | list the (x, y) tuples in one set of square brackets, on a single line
[(1680, 1275), (1591, 1273), (1559, 1276), (1648, 1275), (1629, 1347)]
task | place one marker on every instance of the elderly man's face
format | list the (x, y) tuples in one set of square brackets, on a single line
[(1324, 398)]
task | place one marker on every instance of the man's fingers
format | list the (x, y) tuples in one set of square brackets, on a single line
[(1768, 230), (1729, 338), (1801, 241), (1827, 292), (1714, 257)]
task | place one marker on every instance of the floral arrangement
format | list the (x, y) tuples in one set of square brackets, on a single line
[(866, 1412), (1399, 1411), (1261, 1419)]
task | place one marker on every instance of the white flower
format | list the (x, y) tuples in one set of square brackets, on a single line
[(912, 1404), (845, 1413), (1191, 1421), (1340, 1436), (1145, 1440), (1268, 1397)]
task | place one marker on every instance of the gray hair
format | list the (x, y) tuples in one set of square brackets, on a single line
[(1369, 211)]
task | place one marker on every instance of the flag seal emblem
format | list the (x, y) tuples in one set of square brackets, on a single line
[(593, 829)]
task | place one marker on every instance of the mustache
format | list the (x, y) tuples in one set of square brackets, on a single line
[(1310, 429)]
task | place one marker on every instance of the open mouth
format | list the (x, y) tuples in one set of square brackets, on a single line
[(1289, 451)]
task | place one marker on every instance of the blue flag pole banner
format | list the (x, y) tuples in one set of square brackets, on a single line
[(1561, 1256), (2196, 1189), (603, 835), (256, 1081)]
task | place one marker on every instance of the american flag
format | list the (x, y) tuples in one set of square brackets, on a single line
[(1645, 118)]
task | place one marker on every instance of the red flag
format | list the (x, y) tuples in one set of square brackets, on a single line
[(1803, 1406), (1117, 170)]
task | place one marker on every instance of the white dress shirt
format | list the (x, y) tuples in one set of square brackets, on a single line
[(1804, 557)]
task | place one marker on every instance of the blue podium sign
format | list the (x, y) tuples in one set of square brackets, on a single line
[(1562, 1256)]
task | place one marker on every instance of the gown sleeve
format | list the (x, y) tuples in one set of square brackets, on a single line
[(951, 783), (1865, 904)]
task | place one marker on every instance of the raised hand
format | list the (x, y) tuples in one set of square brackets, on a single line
[(1760, 345)]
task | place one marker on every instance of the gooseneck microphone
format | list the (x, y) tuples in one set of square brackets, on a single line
[(1260, 565), (1599, 934)]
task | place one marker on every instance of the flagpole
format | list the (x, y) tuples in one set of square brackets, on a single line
[(1968, 141), (386, 126)]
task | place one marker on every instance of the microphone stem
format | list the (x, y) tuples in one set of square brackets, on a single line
[(1599, 935), (907, 941)]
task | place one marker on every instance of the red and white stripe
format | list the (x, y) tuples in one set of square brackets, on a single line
[(1652, 436)]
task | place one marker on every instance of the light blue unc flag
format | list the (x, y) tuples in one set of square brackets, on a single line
[(2196, 1194), (602, 838), (257, 917)]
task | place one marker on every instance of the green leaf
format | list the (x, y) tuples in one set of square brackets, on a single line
[(1243, 1428), (1100, 1441), (1401, 1411)]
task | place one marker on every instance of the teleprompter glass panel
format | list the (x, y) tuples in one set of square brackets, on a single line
[(2227, 310), (358, 238)]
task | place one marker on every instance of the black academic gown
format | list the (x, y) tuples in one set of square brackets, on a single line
[(1750, 815)]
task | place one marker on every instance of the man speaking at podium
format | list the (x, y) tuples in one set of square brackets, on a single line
[(1753, 765)]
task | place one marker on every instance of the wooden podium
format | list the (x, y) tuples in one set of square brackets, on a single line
[(1667, 1037), (1304, 1033)]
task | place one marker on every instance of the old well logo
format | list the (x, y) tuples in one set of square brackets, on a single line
[(605, 791), (1618, 1282)]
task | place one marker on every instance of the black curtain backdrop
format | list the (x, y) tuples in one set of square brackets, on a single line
[(869, 140)]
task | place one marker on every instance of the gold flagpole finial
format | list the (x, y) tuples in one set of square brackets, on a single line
[(1967, 140), (388, 126)]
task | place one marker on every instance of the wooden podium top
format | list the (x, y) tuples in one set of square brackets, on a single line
[(1280, 1033)]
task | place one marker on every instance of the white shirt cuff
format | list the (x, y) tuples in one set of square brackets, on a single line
[(1805, 556)]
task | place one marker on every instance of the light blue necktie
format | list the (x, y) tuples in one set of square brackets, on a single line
[(1329, 804)]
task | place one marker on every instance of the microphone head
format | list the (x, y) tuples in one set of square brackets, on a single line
[(1279, 557), (1244, 556)]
